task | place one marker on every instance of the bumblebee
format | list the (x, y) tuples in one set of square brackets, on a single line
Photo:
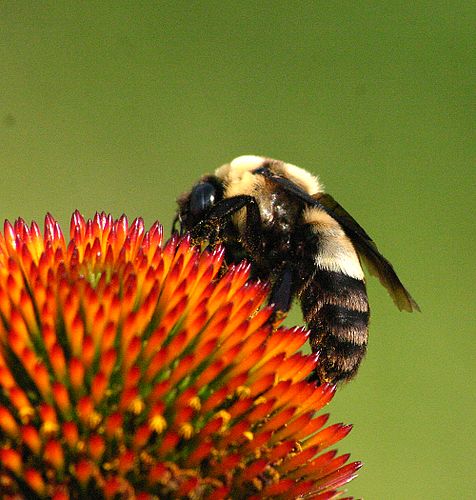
[(298, 238)]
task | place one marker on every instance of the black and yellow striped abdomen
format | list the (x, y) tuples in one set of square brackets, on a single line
[(336, 310)]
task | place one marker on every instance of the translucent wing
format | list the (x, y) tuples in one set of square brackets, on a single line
[(376, 263)]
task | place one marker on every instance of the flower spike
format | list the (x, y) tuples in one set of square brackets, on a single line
[(131, 367)]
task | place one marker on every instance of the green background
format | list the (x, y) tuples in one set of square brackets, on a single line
[(121, 106)]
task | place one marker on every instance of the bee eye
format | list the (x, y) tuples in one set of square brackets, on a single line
[(263, 170), (202, 197)]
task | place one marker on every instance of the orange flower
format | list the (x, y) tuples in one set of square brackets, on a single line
[(129, 368)]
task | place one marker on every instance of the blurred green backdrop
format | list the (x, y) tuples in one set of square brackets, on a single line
[(120, 106)]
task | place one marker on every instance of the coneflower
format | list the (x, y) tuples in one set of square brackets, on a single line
[(130, 368)]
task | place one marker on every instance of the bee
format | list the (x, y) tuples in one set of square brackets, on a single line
[(298, 238)]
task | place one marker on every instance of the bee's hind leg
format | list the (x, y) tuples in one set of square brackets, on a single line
[(281, 294)]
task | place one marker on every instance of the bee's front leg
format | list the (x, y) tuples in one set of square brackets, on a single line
[(222, 212)]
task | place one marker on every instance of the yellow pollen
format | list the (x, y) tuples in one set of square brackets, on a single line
[(241, 466), (214, 482), (49, 427), (25, 413), (94, 419), (195, 403), (225, 416), (273, 473), (109, 466), (186, 430), (158, 423), (243, 392), (137, 406), (259, 401), (248, 435), (146, 458), (257, 484), (5, 481)]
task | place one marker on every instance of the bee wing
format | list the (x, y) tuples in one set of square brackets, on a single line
[(375, 262)]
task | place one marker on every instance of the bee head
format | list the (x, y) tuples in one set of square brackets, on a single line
[(195, 204)]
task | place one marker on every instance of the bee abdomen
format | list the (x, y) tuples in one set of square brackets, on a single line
[(336, 309)]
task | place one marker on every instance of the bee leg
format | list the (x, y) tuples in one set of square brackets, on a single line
[(314, 377), (282, 291), (174, 224), (225, 209), (253, 229), (281, 295)]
